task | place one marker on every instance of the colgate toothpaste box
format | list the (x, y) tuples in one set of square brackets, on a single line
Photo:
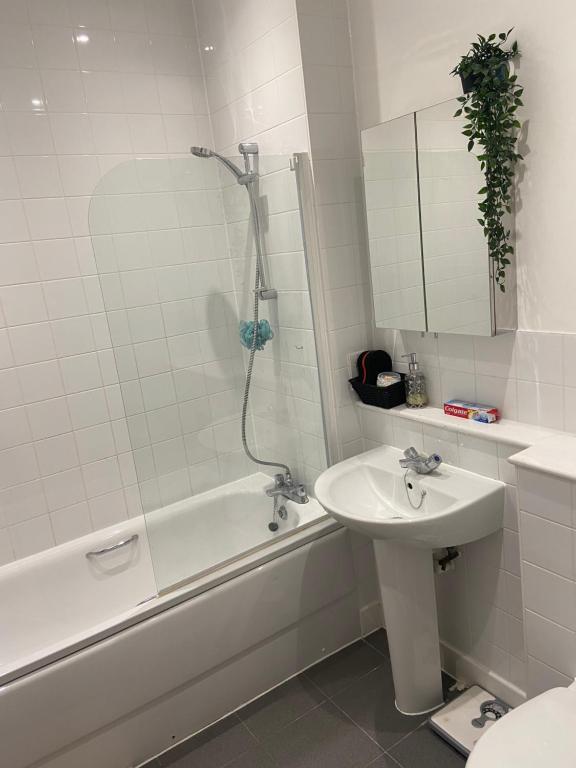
[(474, 411)]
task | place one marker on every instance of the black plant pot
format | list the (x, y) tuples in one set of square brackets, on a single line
[(470, 82)]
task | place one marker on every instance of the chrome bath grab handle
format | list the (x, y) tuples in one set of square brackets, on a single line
[(113, 547)]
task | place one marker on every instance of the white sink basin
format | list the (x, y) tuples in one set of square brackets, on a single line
[(371, 493), (368, 493)]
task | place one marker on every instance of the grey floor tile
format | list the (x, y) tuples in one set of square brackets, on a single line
[(423, 749), (213, 748), (370, 703), (379, 640), (280, 707), (254, 758), (337, 672), (324, 738), (385, 761)]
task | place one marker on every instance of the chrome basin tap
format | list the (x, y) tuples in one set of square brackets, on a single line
[(288, 488), (419, 462)]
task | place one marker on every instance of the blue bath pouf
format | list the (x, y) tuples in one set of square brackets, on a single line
[(264, 334)]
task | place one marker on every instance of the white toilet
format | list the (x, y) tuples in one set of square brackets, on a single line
[(540, 733)]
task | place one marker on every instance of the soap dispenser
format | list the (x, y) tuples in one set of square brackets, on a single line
[(416, 396)]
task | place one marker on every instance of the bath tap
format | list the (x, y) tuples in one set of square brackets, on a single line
[(419, 462), (286, 486)]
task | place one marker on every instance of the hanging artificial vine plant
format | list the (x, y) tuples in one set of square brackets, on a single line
[(491, 99)]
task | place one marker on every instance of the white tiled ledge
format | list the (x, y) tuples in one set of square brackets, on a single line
[(504, 431), (554, 456), (545, 450)]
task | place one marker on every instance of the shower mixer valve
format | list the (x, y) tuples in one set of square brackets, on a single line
[(288, 488)]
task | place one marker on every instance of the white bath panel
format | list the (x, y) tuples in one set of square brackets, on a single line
[(465, 719)]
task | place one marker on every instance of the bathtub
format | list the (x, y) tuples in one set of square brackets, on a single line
[(198, 534), (110, 658)]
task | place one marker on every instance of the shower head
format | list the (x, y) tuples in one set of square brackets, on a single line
[(242, 177), (201, 151)]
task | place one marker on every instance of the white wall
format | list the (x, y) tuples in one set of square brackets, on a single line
[(547, 518), (335, 153), (251, 59), (403, 54), (253, 66), (83, 87)]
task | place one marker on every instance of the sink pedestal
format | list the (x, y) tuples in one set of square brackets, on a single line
[(406, 577)]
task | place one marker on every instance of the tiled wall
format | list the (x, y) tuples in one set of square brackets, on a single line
[(255, 93), (161, 250), (530, 376), (251, 59), (285, 395), (83, 87), (391, 184), (454, 248), (335, 153), (547, 523), (480, 602)]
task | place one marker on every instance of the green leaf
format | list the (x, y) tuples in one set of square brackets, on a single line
[(491, 124)]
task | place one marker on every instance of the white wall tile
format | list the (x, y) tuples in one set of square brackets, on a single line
[(6, 551), (31, 536), (56, 259), (10, 392), (64, 489), (549, 595), (542, 677), (48, 418), (102, 477), (551, 643), (22, 502), (546, 496), (88, 408), (47, 218), (40, 381), (95, 443), (18, 465), (31, 343), (547, 545), (13, 224), (56, 454), (23, 304), (506, 470), (541, 404), (478, 455), (14, 428), (539, 357), (80, 372), (17, 264), (108, 510), (71, 522)]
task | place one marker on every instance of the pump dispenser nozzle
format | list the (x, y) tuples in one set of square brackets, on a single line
[(416, 396), (413, 365)]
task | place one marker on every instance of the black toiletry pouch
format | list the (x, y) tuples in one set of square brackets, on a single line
[(371, 363)]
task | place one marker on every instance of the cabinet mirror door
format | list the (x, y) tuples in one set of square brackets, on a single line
[(391, 191), (459, 286)]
